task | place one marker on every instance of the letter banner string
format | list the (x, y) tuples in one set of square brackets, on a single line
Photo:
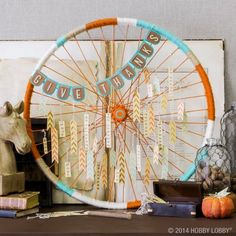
[(130, 71)]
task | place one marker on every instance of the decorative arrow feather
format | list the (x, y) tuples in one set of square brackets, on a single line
[(136, 107), (160, 132), (180, 111), (112, 158), (121, 168), (172, 131), (82, 158), (73, 136), (145, 124), (151, 116), (108, 130), (62, 128), (54, 145), (97, 176), (147, 171), (86, 131), (90, 165), (104, 171), (164, 103), (67, 169), (50, 122)]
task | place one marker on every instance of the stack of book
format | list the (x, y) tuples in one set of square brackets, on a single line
[(19, 204)]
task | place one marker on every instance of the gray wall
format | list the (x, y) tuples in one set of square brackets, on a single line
[(188, 19)]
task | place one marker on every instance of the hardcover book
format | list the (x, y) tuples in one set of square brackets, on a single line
[(17, 213)]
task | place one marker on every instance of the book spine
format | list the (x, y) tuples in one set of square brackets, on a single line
[(12, 203), (7, 214)]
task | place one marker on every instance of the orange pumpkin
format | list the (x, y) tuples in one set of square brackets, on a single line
[(217, 207)]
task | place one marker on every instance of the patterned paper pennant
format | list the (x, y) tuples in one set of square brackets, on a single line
[(136, 107), (50, 122), (112, 158), (172, 131), (95, 145), (138, 157), (97, 177), (90, 165), (121, 168), (82, 158), (149, 90), (170, 81), (108, 130), (165, 163), (147, 171), (160, 131), (145, 124), (185, 122), (151, 116), (86, 131), (156, 154), (73, 136), (164, 103), (117, 176), (62, 129), (67, 169), (132, 165), (104, 171), (54, 145), (181, 108), (45, 143)]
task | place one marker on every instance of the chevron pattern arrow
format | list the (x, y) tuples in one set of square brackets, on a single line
[(104, 171), (147, 171), (121, 168), (50, 122), (170, 81), (145, 124), (172, 131), (164, 103), (160, 132), (90, 166), (86, 131), (180, 113), (54, 145), (97, 176), (185, 122), (132, 165), (112, 158), (151, 116), (156, 154), (82, 159), (136, 107), (146, 73), (73, 137)]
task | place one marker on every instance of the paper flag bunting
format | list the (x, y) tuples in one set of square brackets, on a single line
[(54, 145), (156, 154), (86, 131), (147, 171), (73, 136), (112, 158), (108, 130), (117, 176), (145, 124), (95, 145), (97, 177), (132, 165), (121, 168), (67, 169), (180, 113), (164, 103), (104, 171), (90, 165), (136, 107), (172, 131), (138, 157), (50, 122), (62, 129), (82, 158), (160, 132), (149, 90), (151, 116)]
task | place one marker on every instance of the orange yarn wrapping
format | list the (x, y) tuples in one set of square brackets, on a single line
[(101, 22), (208, 92), (134, 204)]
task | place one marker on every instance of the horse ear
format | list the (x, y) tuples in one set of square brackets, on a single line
[(6, 110), (19, 108)]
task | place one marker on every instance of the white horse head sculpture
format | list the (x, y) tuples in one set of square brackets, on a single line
[(12, 130)]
